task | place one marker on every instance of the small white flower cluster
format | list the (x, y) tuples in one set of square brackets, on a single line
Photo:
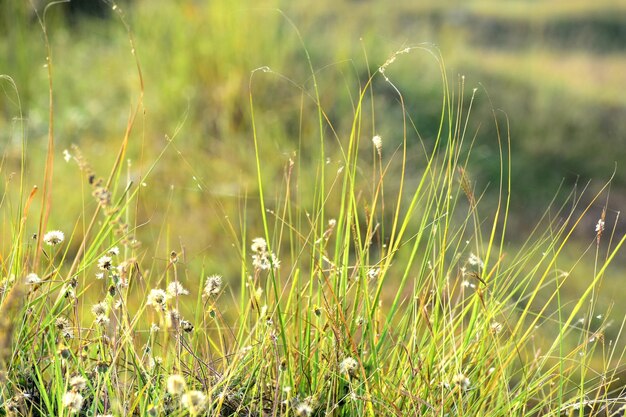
[(64, 327), (72, 399), (53, 238), (175, 288), (32, 279), (462, 381), (176, 385), (101, 310), (304, 409), (377, 141), (262, 258), (106, 267), (348, 366), (193, 401), (475, 261), (600, 226), (157, 298), (213, 285)]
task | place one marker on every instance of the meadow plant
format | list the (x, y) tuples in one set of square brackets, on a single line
[(378, 286)]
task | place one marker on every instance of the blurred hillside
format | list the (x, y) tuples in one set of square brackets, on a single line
[(555, 68)]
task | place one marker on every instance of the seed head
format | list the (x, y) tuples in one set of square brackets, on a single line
[(304, 409), (462, 381), (378, 143), (213, 285), (53, 237), (348, 366), (73, 401), (100, 309), (175, 289), (258, 245), (194, 401), (157, 299), (32, 279), (78, 383), (475, 260), (105, 263), (176, 384)]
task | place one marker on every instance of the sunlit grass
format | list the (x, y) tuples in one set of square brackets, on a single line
[(354, 265)]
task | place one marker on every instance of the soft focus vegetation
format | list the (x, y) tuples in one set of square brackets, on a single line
[(370, 211)]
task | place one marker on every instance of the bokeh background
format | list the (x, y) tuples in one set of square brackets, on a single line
[(555, 69)]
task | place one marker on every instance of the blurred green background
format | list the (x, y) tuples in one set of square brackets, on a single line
[(556, 69)]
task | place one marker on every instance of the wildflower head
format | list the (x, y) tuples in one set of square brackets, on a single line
[(304, 409), (53, 238), (78, 383), (194, 402), (348, 366), (495, 327), (32, 279), (262, 258), (105, 263), (176, 384), (213, 285), (175, 289), (157, 298), (377, 141), (100, 309), (475, 261), (258, 245), (461, 381), (62, 323), (72, 401)]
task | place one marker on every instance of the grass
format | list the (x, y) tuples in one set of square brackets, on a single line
[(371, 276)]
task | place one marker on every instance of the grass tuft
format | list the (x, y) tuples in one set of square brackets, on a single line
[(375, 283)]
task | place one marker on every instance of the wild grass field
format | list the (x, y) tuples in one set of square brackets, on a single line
[(312, 208)]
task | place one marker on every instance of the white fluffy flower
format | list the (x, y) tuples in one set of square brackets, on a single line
[(54, 237)]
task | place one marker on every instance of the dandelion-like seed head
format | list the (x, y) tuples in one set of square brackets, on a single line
[(348, 366), (100, 309), (53, 237), (304, 409), (495, 327), (213, 285), (73, 401), (175, 289), (176, 384), (378, 143), (32, 279), (102, 320), (194, 401), (475, 261), (258, 245), (105, 263), (78, 383), (61, 323), (462, 381), (157, 298), (373, 273)]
